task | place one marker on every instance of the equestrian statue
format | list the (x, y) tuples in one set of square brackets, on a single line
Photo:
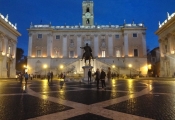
[(87, 55)]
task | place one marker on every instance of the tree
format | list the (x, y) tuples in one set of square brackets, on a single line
[(19, 54), (21, 59)]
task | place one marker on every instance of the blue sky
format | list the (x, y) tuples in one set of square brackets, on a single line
[(59, 12)]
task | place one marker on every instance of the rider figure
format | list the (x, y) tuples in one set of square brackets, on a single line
[(87, 49)]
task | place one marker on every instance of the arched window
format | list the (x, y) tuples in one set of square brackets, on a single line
[(87, 21), (103, 54), (71, 54), (118, 54), (56, 53), (87, 10)]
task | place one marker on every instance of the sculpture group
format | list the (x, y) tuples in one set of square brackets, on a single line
[(87, 55)]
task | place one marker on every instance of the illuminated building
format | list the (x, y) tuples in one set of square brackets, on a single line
[(111, 44), (8, 41), (166, 34)]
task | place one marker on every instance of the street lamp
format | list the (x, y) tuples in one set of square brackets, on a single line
[(61, 67), (25, 68), (149, 70), (45, 66), (130, 66), (113, 67)]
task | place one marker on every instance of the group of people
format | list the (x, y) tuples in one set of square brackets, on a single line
[(50, 76), (26, 76), (100, 76)]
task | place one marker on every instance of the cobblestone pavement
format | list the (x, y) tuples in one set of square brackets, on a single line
[(129, 99)]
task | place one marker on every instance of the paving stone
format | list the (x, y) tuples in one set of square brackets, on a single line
[(86, 96), (159, 107), (88, 116), (25, 107)]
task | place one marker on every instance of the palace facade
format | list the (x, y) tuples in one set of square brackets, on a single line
[(166, 34), (57, 48), (8, 41)]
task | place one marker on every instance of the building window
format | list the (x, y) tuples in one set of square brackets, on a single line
[(103, 37), (118, 54), (153, 59), (87, 41), (39, 35), (57, 36), (117, 36), (38, 53), (9, 50), (135, 53), (71, 54), (134, 34), (56, 53), (103, 54)]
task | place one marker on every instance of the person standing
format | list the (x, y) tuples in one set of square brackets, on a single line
[(48, 76), (97, 77), (21, 77), (89, 75), (31, 76), (64, 76), (51, 76), (26, 76), (102, 78), (109, 74)]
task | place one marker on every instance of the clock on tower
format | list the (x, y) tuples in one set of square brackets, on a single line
[(87, 16)]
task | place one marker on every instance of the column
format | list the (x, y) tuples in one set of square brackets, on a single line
[(30, 45), (160, 48), (96, 46), (78, 46), (5, 45), (14, 54), (49, 44), (14, 49), (110, 46), (64, 48), (4, 62), (125, 44), (144, 43), (170, 43)]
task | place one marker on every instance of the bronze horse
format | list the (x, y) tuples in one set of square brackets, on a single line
[(87, 56)]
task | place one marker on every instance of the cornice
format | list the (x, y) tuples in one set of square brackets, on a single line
[(8, 27), (165, 26)]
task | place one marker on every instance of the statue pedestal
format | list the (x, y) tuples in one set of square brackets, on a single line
[(86, 69)]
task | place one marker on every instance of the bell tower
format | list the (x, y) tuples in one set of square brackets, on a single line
[(88, 13)]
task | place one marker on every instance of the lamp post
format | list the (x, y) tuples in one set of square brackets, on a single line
[(113, 67), (61, 67), (130, 66), (149, 70), (45, 66), (25, 68)]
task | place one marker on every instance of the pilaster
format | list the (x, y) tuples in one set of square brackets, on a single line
[(110, 46), (144, 43), (49, 45), (30, 45), (64, 48), (125, 44), (79, 44), (96, 46)]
